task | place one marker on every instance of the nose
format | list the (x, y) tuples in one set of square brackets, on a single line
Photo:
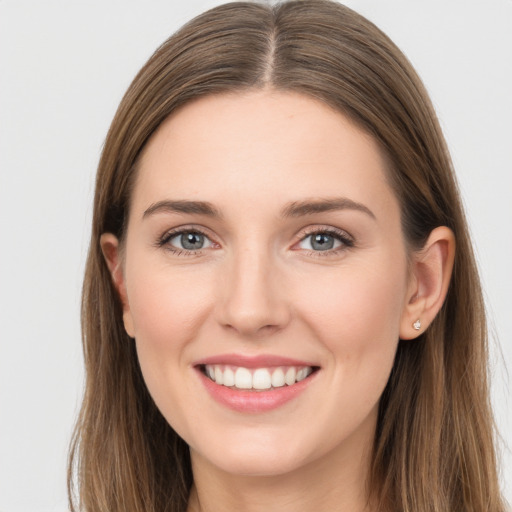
[(253, 296)]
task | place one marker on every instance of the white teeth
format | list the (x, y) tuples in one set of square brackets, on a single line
[(260, 378), (290, 375), (301, 374), (278, 378), (243, 378), (228, 379), (219, 375)]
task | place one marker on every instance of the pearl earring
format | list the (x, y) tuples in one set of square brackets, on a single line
[(417, 324)]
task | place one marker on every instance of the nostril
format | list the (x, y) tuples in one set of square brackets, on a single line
[(254, 330)]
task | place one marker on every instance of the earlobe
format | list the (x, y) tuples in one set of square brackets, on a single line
[(431, 274), (112, 253)]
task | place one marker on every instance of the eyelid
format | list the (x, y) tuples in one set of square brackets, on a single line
[(346, 239), (331, 230), (164, 239)]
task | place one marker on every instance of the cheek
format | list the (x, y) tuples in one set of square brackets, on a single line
[(167, 307), (356, 316), (168, 310), (356, 313)]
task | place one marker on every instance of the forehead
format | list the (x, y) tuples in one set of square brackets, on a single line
[(262, 147)]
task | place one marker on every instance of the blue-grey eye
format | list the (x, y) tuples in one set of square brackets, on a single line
[(190, 241), (320, 242)]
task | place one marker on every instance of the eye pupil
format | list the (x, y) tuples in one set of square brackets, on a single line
[(192, 241), (322, 242)]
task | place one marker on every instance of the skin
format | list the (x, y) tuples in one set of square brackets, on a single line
[(259, 287)]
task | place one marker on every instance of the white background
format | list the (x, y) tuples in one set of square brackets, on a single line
[(64, 66)]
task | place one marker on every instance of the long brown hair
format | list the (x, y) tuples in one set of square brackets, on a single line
[(434, 444)]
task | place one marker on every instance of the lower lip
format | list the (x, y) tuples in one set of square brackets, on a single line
[(254, 401)]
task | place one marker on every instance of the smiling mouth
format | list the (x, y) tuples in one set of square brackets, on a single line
[(256, 379)]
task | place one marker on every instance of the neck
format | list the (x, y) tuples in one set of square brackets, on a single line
[(336, 482)]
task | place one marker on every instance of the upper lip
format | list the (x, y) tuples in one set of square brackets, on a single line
[(259, 361)]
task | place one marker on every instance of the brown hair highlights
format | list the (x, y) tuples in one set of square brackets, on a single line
[(434, 445)]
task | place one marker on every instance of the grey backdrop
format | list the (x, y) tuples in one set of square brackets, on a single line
[(64, 66)]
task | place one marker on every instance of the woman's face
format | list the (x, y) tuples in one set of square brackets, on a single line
[(264, 280)]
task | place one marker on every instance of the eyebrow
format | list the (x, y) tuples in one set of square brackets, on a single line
[(182, 206), (293, 209), (311, 206)]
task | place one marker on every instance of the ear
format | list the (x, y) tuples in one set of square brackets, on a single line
[(112, 253), (430, 278)]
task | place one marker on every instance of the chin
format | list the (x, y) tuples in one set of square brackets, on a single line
[(243, 454), (260, 464)]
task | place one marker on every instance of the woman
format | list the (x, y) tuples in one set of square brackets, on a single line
[(281, 307)]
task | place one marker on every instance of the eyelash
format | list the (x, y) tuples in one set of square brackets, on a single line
[(342, 236), (164, 240), (346, 240)]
